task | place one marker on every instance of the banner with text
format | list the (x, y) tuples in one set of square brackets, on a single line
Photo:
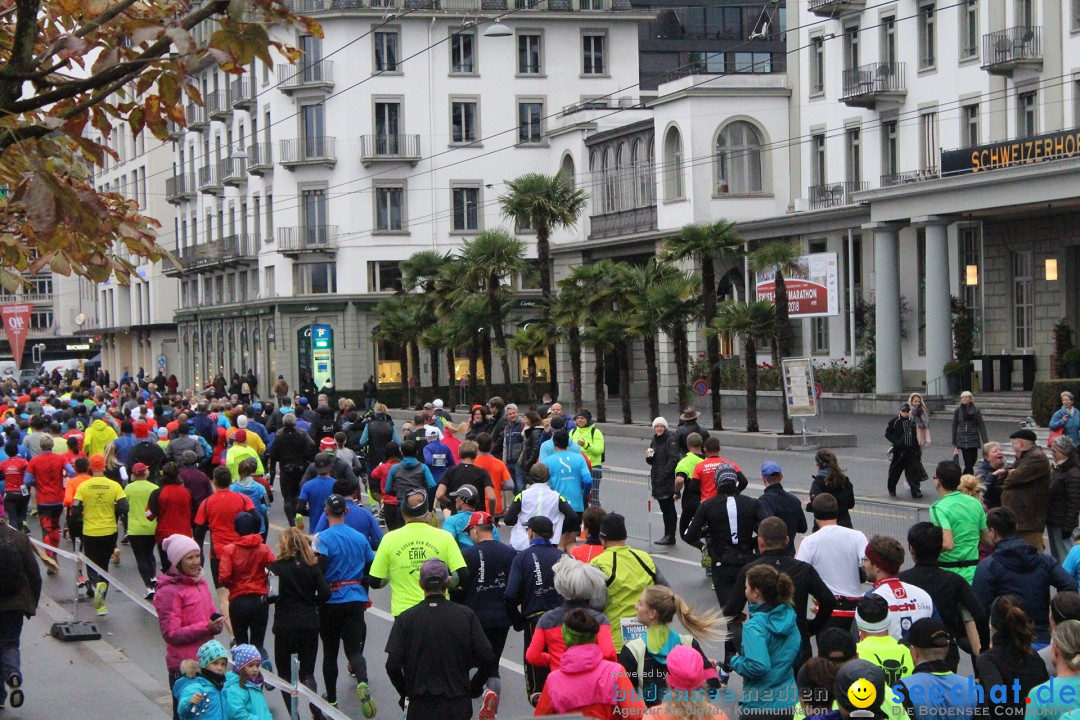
[(813, 290), (17, 326)]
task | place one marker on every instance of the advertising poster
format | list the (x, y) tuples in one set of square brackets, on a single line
[(813, 290)]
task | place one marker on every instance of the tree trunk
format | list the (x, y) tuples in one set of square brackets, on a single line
[(598, 384), (532, 381), (543, 257), (750, 348), (414, 348), (433, 354), (624, 383), (712, 342), (404, 362), (783, 343), (682, 364), (474, 357), (489, 371), (653, 374), (574, 342), (451, 378), (500, 335)]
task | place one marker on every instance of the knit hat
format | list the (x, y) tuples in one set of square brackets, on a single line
[(177, 546), (585, 414), (685, 671), (247, 523), (97, 462), (241, 421), (573, 637), (726, 478), (327, 443), (244, 654), (142, 430), (240, 437), (613, 527), (659, 421), (836, 645), (872, 614), (163, 433), (210, 651), (852, 672)]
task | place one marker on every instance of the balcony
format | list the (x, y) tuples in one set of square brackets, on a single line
[(217, 105), (260, 159), (293, 241), (316, 76), (389, 148), (867, 85), (210, 179), (834, 195), (36, 298), (242, 93), (1009, 50), (231, 250), (831, 8), (234, 171), (910, 176), (304, 7), (179, 188), (307, 151), (623, 222), (196, 116), (239, 248), (175, 131)]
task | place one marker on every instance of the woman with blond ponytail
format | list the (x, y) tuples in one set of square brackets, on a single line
[(645, 659), (1052, 699)]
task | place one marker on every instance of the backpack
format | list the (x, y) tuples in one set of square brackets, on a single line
[(408, 480), (11, 569)]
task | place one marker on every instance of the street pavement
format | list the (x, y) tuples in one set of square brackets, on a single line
[(130, 678)]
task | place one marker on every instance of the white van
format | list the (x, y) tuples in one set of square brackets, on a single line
[(62, 365)]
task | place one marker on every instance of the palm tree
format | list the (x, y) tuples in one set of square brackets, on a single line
[(530, 341), (420, 273), (544, 203), (647, 314), (568, 313), (782, 257), (679, 301), (485, 260), (705, 244), (440, 336), (396, 328), (597, 282), (606, 333), (748, 321)]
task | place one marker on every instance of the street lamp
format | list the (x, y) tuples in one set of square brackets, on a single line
[(497, 29)]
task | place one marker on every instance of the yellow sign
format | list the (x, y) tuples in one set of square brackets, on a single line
[(862, 693)]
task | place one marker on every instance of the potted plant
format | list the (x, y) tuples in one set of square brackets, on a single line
[(958, 371), (1062, 344), (1070, 363)]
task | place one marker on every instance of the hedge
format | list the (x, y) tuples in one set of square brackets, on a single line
[(1046, 398), (393, 396)]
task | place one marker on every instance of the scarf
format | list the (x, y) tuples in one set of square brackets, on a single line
[(659, 640), (216, 680)]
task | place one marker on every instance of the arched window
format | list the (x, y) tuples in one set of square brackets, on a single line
[(738, 159), (623, 183), (673, 165), (596, 180), (567, 170), (636, 195), (649, 179), (609, 180)]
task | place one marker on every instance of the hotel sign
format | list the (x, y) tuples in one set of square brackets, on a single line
[(1011, 153)]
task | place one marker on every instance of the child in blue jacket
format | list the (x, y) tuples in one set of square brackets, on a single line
[(199, 689), (244, 698)]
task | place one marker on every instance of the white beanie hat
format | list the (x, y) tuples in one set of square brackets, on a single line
[(437, 403), (242, 421), (660, 421)]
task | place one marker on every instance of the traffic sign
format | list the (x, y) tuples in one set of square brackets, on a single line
[(817, 390), (701, 388)]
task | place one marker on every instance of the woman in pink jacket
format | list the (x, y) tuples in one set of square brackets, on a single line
[(186, 611), (586, 683)]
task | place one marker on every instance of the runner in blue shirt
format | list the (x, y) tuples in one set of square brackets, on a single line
[(357, 517), (315, 491), (569, 473)]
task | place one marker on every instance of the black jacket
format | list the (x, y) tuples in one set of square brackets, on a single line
[(25, 599), (301, 590), (498, 429), (530, 590), (324, 426), (807, 584), (380, 431), (149, 453), (779, 502), (665, 457), (845, 498), (1002, 665), (431, 648), (685, 429), (901, 434), (951, 594), (1064, 505), (530, 451), (713, 515), (291, 447)]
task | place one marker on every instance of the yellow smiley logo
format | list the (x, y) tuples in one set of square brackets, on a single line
[(862, 693)]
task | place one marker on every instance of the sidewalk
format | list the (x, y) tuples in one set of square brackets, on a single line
[(79, 680)]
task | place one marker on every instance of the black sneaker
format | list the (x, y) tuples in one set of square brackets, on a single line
[(16, 697), (916, 493)]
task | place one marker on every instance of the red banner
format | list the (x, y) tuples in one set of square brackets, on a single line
[(17, 326), (804, 296)]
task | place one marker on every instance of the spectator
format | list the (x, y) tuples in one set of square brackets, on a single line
[(932, 690), (1025, 488), (1064, 606), (875, 642), (538, 499), (962, 521), (581, 586), (968, 431), (1058, 696), (1018, 569), (831, 479), (907, 603), (23, 592), (627, 573), (591, 441), (906, 453), (688, 425), (530, 450), (778, 502), (836, 553), (990, 470), (1010, 661), (513, 444), (1064, 496), (663, 457), (1067, 419)]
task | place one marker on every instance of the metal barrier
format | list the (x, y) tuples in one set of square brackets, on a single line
[(298, 691), (629, 495)]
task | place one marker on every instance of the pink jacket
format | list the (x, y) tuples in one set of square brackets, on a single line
[(184, 608), (589, 684)]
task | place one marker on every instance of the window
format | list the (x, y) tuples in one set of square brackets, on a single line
[(927, 38), (1076, 100), (819, 335), (311, 47), (463, 53), (1075, 4), (1023, 267), (530, 122), (738, 160), (928, 141), (970, 129), (889, 150), (673, 165), (40, 285), (818, 159), (593, 54), (1025, 13), (463, 121), (315, 278), (389, 208), (268, 281), (817, 66), (466, 202), (387, 127), (313, 217), (384, 276), (970, 252), (386, 50), (853, 155), (566, 169), (969, 30), (41, 319), (758, 62), (314, 134), (1027, 124), (851, 46), (707, 62), (529, 56)]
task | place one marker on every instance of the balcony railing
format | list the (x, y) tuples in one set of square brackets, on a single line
[(234, 171), (210, 179), (196, 116), (175, 130), (623, 222), (217, 105), (260, 158), (240, 246), (242, 93), (910, 176), (231, 249), (179, 188), (866, 85), (829, 8), (1007, 50), (392, 148), (307, 238), (834, 195), (36, 297), (318, 74), (302, 151)]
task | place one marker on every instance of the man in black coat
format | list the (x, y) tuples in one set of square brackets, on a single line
[(778, 502), (290, 454), (23, 583), (906, 453), (688, 423)]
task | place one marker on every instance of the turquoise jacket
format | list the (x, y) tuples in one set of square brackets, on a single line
[(245, 701), (213, 699), (771, 643)]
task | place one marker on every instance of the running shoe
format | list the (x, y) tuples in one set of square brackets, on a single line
[(16, 697), (51, 566), (367, 704), (99, 598), (115, 559), (149, 594), (489, 706)]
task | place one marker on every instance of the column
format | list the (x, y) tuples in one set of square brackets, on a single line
[(939, 345), (890, 377)]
